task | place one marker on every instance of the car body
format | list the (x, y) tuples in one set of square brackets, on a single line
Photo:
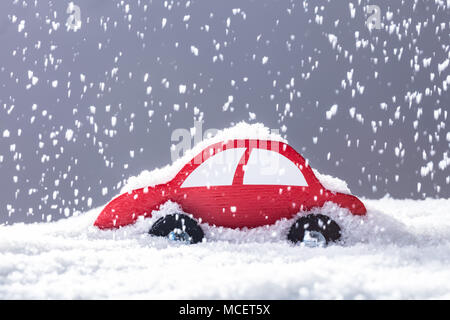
[(237, 183)]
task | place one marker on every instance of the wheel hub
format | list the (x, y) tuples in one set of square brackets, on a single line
[(179, 235), (314, 239)]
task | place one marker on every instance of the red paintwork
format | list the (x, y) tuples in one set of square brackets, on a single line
[(256, 205)]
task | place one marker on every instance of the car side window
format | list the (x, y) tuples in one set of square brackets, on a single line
[(217, 170), (267, 167)]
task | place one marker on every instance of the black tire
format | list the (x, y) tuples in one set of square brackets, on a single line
[(165, 225), (319, 223)]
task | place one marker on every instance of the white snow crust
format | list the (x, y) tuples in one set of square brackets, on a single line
[(400, 250)]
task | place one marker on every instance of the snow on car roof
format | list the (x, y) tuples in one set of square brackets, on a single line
[(332, 183), (241, 130)]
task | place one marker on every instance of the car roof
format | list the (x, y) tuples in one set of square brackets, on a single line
[(274, 145)]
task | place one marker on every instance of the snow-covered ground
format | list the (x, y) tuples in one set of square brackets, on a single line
[(400, 250)]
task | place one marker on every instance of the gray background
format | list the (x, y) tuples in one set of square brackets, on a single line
[(289, 35)]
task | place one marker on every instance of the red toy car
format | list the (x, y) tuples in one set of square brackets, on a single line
[(236, 184)]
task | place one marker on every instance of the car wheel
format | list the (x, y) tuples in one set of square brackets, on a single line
[(178, 227), (314, 231)]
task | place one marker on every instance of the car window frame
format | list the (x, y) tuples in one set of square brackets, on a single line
[(284, 149)]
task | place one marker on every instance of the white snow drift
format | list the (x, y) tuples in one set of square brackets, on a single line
[(401, 249), (242, 130)]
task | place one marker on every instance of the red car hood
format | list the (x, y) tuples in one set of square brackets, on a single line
[(126, 208)]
